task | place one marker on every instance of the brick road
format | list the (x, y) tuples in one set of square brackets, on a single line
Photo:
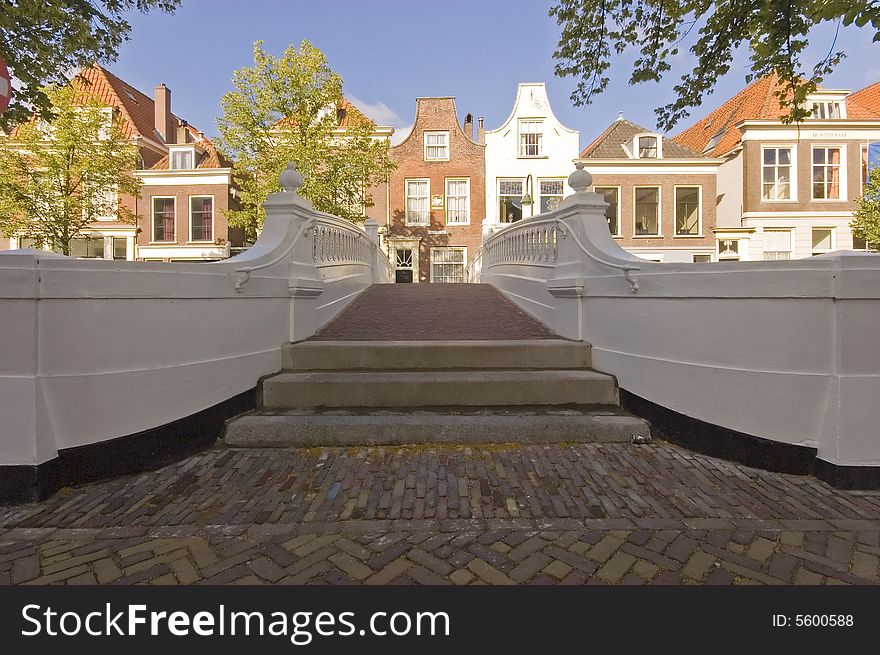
[(562, 514), (415, 312)]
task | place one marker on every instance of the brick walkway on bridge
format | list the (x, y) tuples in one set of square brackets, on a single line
[(415, 312), (570, 514)]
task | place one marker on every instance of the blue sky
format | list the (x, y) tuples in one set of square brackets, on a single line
[(391, 51)]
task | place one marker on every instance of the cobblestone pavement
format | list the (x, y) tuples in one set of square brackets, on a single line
[(417, 312), (568, 514)]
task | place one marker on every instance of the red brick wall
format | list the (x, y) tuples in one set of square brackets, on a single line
[(182, 194), (667, 184), (466, 160)]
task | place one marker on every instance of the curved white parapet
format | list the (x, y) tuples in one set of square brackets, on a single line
[(784, 350), (95, 350)]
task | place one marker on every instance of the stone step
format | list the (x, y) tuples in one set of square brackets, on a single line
[(427, 355), (299, 428), (484, 388)]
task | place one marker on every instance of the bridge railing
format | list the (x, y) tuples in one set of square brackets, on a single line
[(788, 351), (96, 350)]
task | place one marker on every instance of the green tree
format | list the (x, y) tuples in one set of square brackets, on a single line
[(42, 40), (776, 33), (56, 178), (285, 110), (866, 219)]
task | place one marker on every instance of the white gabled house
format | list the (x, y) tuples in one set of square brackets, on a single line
[(528, 158)]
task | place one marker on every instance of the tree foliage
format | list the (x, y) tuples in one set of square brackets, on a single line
[(56, 178), (285, 110), (866, 219), (775, 32), (42, 41)]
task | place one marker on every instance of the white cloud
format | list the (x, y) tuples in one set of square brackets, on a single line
[(400, 133), (379, 112)]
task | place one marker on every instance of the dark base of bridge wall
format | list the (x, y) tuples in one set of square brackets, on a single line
[(143, 451), (746, 449)]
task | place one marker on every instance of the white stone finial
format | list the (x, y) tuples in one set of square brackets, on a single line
[(290, 180), (580, 180)]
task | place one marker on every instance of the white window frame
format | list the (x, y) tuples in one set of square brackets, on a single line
[(842, 166), (791, 243), (560, 195), (824, 102), (467, 199), (464, 259), (445, 134), (406, 197), (659, 234), (863, 180), (637, 150), (833, 245), (618, 190), (792, 183), (522, 147), (676, 187), (189, 233), (153, 218), (175, 150)]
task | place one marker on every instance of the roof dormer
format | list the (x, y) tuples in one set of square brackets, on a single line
[(183, 157), (827, 105), (647, 145)]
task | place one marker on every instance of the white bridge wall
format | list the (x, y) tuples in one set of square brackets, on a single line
[(94, 350), (786, 351)]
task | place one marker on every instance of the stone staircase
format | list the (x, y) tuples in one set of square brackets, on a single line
[(352, 393)]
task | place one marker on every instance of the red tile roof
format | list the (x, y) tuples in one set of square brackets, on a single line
[(758, 101), (865, 103), (137, 113), (347, 115)]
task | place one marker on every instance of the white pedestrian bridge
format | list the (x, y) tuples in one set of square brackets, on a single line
[(112, 367)]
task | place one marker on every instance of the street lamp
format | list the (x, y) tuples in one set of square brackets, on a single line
[(527, 196)]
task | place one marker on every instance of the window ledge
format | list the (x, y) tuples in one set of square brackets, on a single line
[(687, 236), (647, 236), (162, 243)]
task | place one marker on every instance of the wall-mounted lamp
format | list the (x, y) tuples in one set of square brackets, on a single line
[(527, 196)]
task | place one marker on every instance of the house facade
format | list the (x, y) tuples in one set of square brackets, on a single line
[(529, 157), (787, 191), (660, 194), (187, 186), (436, 196)]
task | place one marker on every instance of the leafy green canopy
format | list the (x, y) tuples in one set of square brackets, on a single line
[(866, 219), (56, 178), (42, 41), (285, 110), (775, 31)]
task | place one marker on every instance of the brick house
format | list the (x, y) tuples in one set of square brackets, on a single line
[(187, 184), (787, 191), (437, 196), (660, 194)]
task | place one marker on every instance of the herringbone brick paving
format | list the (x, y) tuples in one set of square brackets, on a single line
[(561, 514)]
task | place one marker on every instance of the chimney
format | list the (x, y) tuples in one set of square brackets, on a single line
[(162, 120), (469, 126), (481, 133), (181, 132)]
